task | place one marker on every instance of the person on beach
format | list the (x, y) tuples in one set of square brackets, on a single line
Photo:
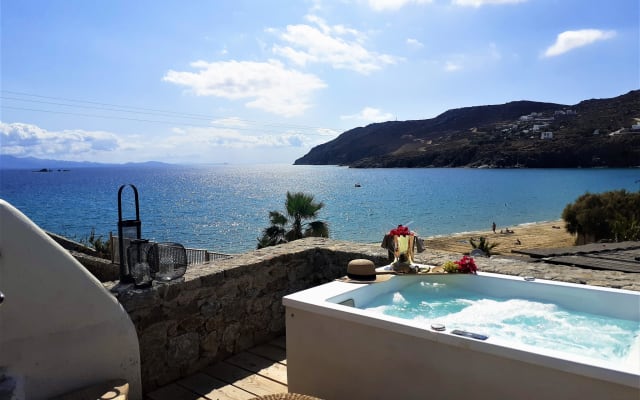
[(493, 227)]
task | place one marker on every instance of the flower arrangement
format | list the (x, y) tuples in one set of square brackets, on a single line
[(400, 243), (466, 265), (400, 230)]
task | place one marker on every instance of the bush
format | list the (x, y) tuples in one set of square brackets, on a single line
[(613, 216), (483, 244), (102, 247)]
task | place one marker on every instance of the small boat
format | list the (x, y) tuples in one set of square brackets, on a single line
[(358, 185)]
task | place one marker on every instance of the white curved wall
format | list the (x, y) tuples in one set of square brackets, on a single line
[(60, 329)]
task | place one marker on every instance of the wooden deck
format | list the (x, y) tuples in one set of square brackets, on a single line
[(259, 371)]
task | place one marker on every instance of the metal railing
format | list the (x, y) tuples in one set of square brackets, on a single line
[(194, 256)]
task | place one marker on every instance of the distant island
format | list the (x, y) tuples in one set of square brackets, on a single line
[(51, 170), (47, 165), (595, 133)]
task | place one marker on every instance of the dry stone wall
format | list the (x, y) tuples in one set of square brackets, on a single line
[(225, 307)]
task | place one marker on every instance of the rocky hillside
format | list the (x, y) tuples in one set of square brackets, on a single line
[(592, 133)]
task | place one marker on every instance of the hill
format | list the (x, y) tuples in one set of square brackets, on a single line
[(592, 133), (46, 165)]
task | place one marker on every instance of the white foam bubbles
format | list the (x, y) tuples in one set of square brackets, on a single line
[(525, 322), (398, 299)]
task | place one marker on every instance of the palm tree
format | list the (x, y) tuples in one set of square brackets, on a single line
[(299, 208), (274, 234), (483, 244)]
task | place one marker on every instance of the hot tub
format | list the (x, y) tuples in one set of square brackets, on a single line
[(339, 349)]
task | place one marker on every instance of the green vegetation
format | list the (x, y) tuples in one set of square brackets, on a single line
[(102, 247), (608, 216), (450, 267), (285, 228), (482, 244)]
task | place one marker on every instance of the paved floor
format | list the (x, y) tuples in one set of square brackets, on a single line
[(622, 256), (259, 371)]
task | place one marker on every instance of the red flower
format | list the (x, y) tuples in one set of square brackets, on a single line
[(400, 230), (466, 265)]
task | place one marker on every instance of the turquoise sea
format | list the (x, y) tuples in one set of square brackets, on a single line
[(224, 207)]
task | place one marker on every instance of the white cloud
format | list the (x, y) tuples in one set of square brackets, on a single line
[(369, 114), (480, 3), (327, 132), (268, 85), (337, 45), (213, 140), (414, 43), (569, 40), (451, 66), (230, 122), (480, 59), (230, 140), (494, 52), (392, 5), (26, 140)]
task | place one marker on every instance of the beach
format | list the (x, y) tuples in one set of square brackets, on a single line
[(532, 235)]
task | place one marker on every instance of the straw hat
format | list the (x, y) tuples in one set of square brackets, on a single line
[(363, 271)]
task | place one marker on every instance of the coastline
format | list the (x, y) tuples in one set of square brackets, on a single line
[(530, 235)]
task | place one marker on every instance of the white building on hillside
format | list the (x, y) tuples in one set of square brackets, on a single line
[(546, 135)]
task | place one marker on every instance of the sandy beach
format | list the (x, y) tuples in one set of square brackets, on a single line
[(533, 235)]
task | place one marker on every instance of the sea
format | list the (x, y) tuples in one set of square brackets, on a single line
[(224, 208)]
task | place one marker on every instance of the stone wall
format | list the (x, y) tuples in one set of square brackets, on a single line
[(228, 306), (102, 269)]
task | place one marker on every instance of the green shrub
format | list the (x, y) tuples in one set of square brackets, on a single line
[(613, 215), (483, 244), (102, 247)]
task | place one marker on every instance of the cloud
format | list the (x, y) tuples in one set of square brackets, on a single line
[(480, 59), (451, 66), (269, 86), (414, 43), (208, 138), (26, 140), (392, 5), (480, 3), (494, 52), (369, 114), (337, 45), (230, 122), (569, 40), (229, 140), (212, 140)]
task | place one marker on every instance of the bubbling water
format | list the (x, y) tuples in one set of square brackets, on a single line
[(516, 321)]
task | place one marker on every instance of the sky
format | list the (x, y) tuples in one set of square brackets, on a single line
[(242, 81)]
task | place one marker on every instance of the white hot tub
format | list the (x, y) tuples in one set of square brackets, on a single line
[(342, 344)]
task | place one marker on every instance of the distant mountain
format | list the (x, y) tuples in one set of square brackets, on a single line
[(592, 133), (37, 164)]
